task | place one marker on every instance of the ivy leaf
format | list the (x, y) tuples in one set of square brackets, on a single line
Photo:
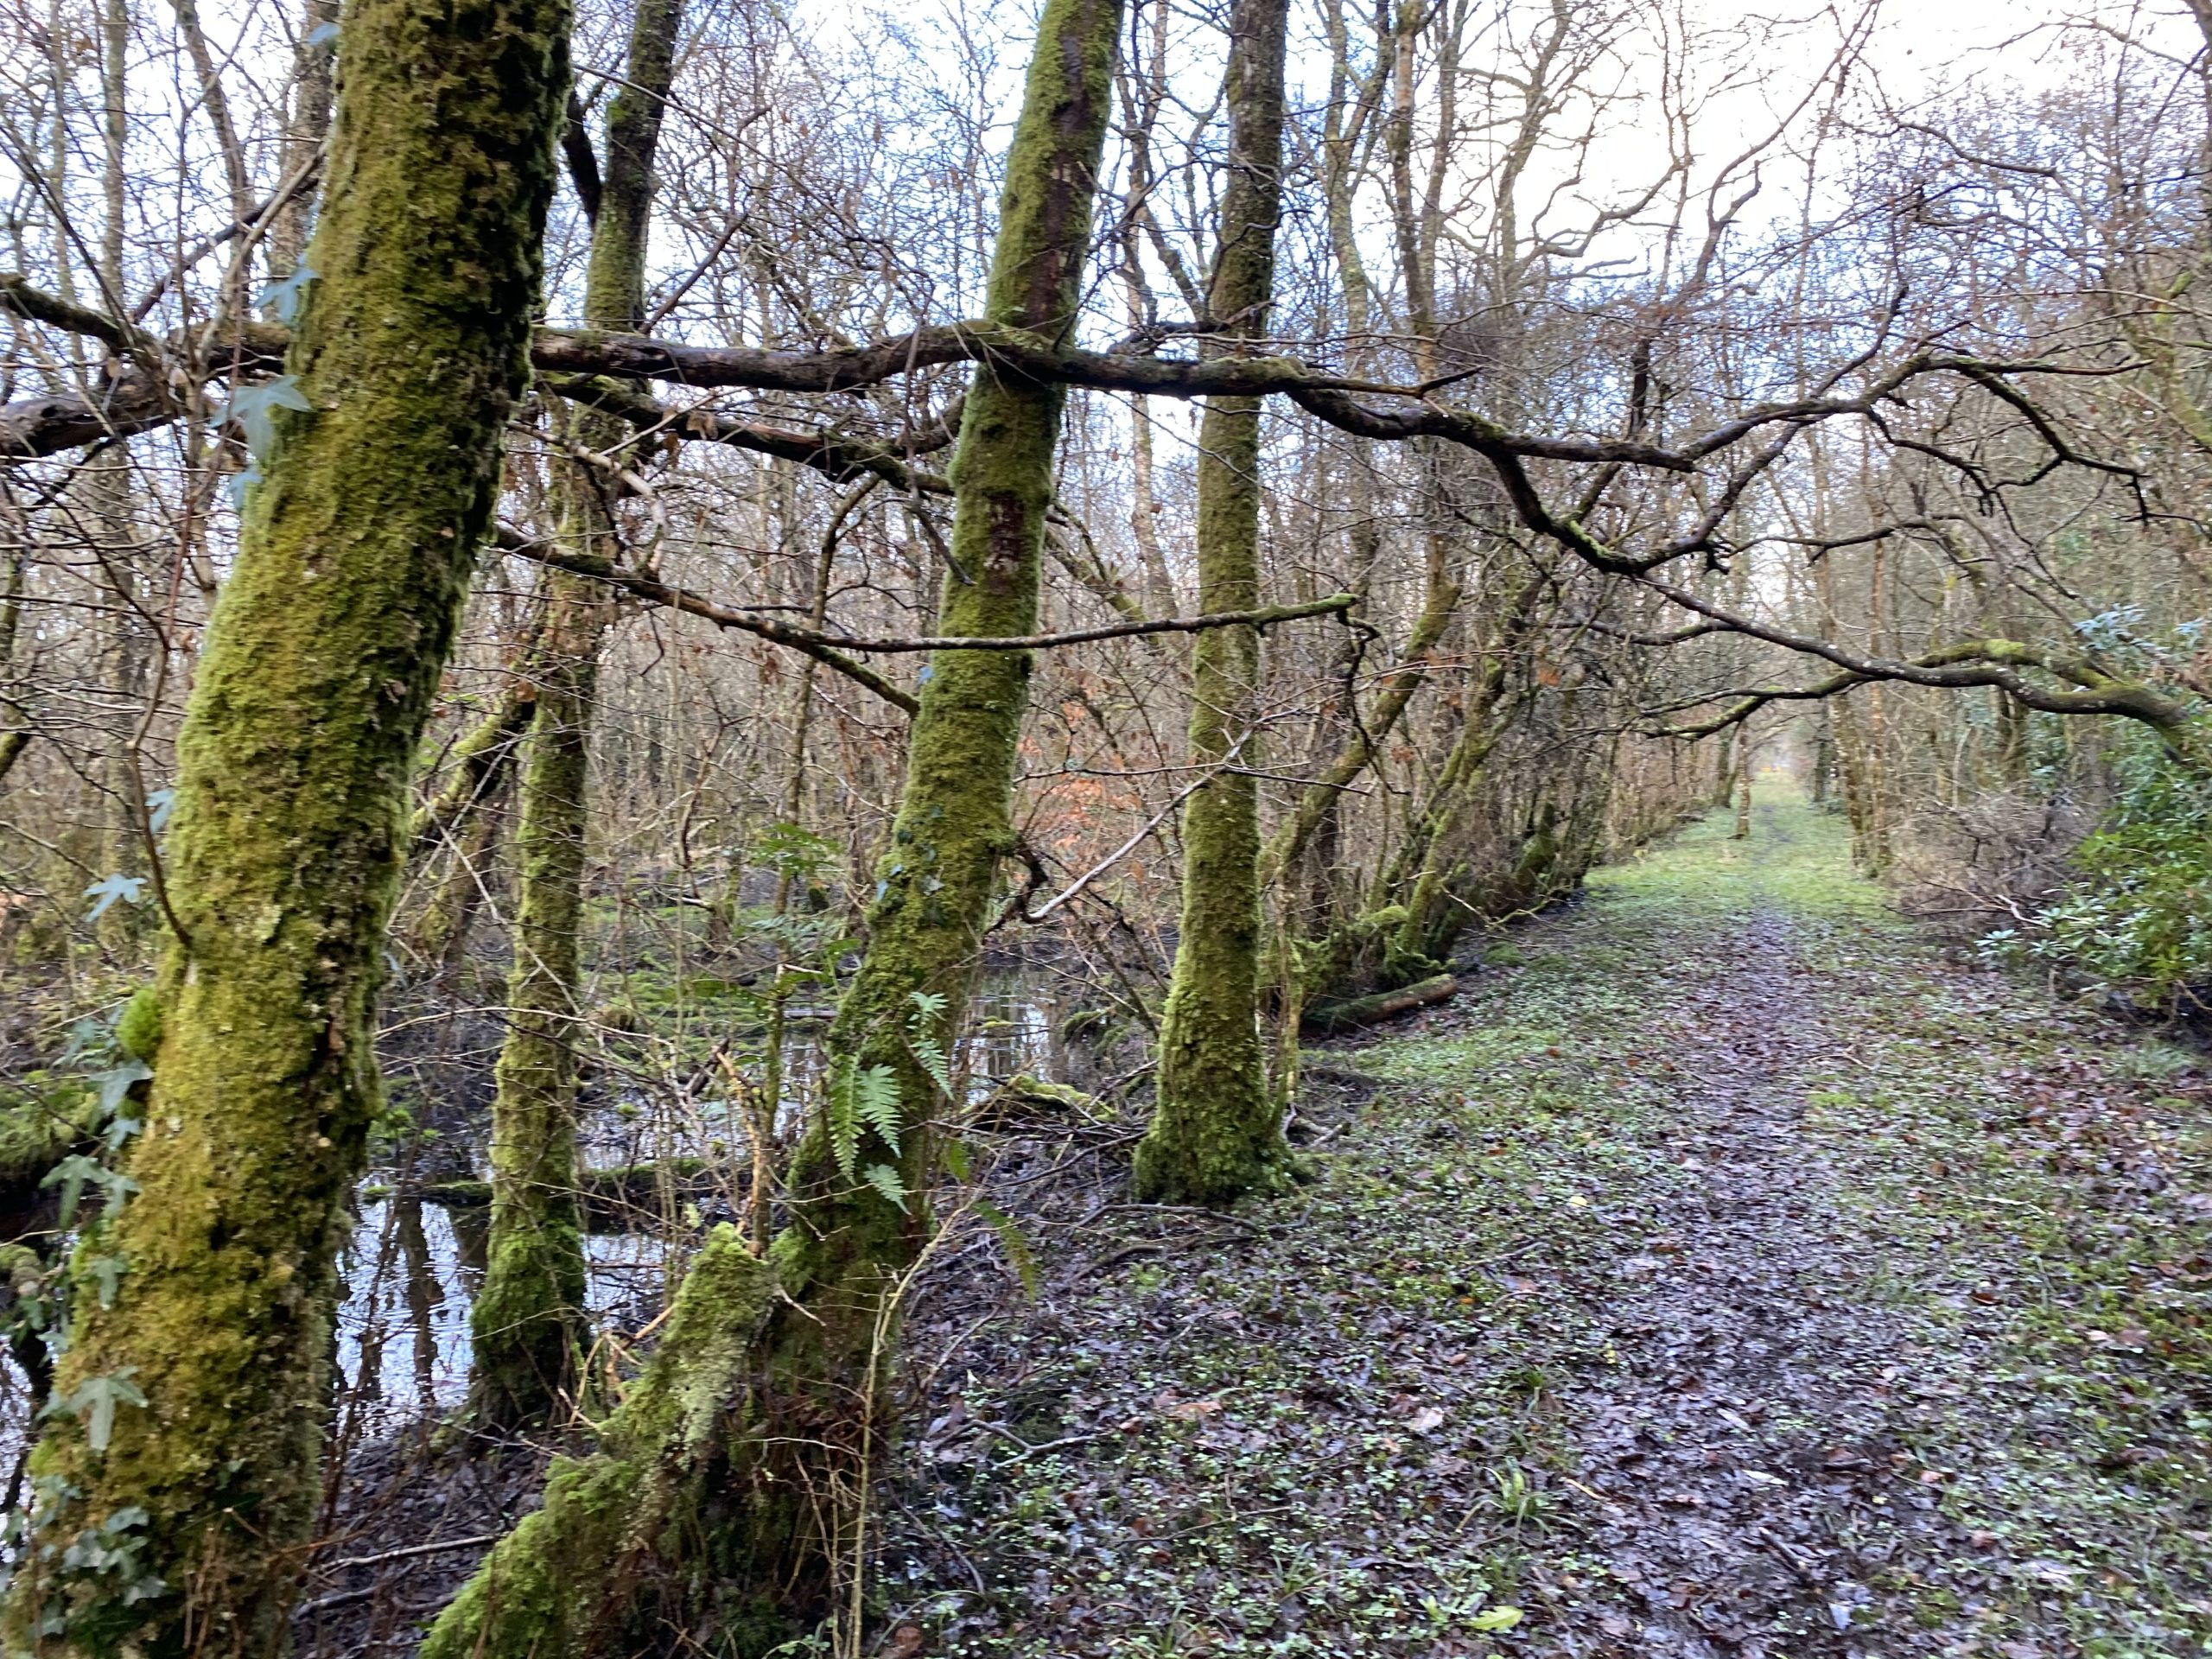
[(109, 889), (159, 805), (240, 483), (95, 1400), (87, 1034), (70, 1174), (107, 1271), (323, 34), (286, 297), (115, 1084), (254, 410)]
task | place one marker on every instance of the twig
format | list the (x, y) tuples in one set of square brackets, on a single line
[(414, 1550)]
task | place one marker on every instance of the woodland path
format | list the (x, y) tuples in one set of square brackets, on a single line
[(1729, 1272)]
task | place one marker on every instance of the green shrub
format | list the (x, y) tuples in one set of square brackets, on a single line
[(2138, 915)]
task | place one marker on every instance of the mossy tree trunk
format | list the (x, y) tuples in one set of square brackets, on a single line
[(1422, 874), (847, 1242), (584, 1576), (1215, 1134), (754, 1547), (283, 855), (527, 1323)]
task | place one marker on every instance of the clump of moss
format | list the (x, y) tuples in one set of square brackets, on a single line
[(578, 1573), (139, 1027)]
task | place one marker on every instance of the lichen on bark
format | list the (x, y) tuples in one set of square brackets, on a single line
[(309, 705)]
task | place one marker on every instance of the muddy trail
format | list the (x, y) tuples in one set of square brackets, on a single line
[(1729, 1272)]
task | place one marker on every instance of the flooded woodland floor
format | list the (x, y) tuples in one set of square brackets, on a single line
[(1727, 1271)]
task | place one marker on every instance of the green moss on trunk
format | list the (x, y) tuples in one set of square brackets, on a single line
[(841, 1258), (1215, 1134), (1423, 885), (587, 1573), (306, 714), (528, 1324)]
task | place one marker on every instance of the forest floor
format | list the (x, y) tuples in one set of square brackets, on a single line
[(1730, 1271)]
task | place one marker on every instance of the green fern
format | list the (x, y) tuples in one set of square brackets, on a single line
[(921, 1038), (885, 1179), (861, 1099), (1010, 1239)]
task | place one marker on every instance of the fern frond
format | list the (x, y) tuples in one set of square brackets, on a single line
[(885, 1179)]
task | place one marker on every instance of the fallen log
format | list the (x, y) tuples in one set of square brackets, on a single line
[(1029, 1099), (1351, 1012)]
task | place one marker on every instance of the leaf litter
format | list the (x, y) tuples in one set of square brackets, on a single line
[(1735, 1273)]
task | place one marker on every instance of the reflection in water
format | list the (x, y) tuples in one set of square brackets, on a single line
[(412, 1269), (425, 1295), (407, 1268)]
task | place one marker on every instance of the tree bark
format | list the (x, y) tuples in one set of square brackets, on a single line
[(840, 1260), (577, 1579), (787, 1476), (284, 852), (1215, 1134), (527, 1324)]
